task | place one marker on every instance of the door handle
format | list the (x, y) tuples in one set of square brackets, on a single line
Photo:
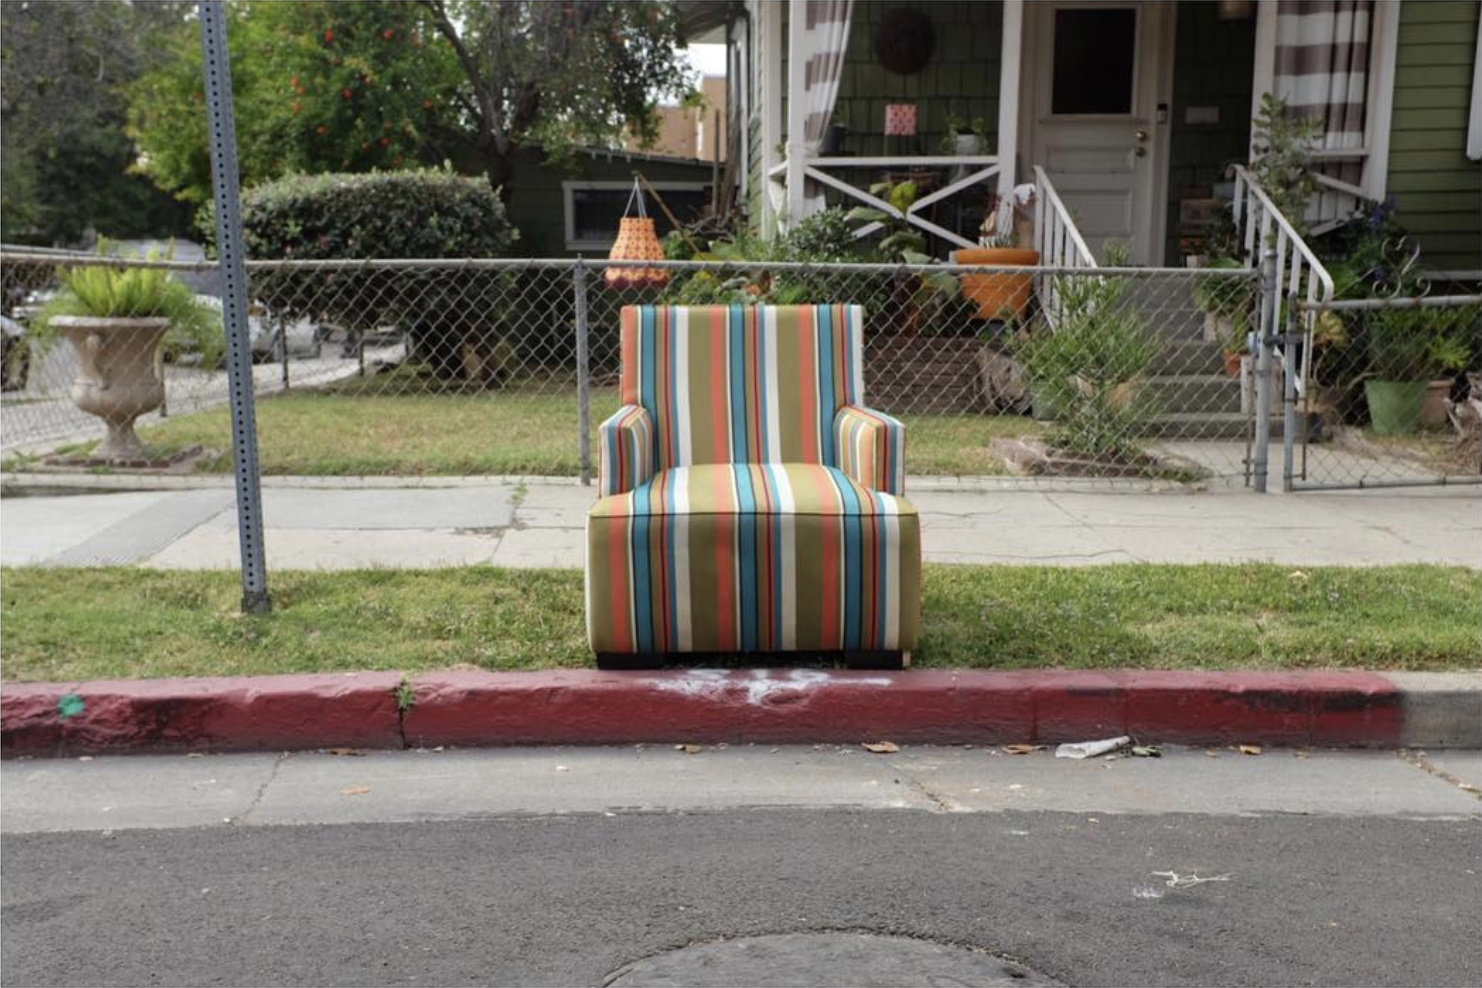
[(1140, 151), (1141, 135)]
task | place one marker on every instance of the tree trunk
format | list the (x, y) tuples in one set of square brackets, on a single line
[(500, 169)]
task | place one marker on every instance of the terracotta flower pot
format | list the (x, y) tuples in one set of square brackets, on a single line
[(1000, 291), (1433, 409), (119, 376), (1232, 361)]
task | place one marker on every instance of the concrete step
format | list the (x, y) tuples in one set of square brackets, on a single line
[(1196, 393), (1188, 357)]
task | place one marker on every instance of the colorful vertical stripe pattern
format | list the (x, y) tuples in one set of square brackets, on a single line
[(872, 448), (625, 456), (742, 384), (753, 557)]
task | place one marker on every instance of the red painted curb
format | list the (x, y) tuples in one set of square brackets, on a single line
[(772, 706), (252, 713), (925, 706)]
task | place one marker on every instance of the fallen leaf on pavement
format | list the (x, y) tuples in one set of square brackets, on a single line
[(354, 790), (688, 749), (881, 747), (345, 752), (1250, 749), (1146, 751), (1211, 754), (1022, 749)]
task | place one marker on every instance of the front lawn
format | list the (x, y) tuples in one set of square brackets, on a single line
[(68, 624), (530, 430)]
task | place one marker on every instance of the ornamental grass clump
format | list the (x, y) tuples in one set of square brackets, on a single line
[(1091, 368)]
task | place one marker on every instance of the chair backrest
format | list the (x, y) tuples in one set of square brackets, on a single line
[(743, 383)]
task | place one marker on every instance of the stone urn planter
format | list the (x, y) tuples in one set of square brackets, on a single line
[(119, 375)]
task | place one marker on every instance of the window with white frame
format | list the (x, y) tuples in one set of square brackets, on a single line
[(594, 208)]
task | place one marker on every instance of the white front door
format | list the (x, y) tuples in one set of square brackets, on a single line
[(1095, 107)]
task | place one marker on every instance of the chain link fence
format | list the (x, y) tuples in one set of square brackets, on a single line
[(460, 367), (1384, 392)]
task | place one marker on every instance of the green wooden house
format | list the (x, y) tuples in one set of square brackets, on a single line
[(1130, 113)]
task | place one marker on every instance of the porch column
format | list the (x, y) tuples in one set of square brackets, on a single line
[(1010, 58), (797, 106)]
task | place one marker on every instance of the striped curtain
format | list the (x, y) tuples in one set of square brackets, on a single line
[(1322, 70), (826, 29)]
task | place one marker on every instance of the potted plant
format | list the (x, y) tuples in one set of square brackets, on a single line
[(833, 137), (904, 244), (116, 317), (1228, 303), (965, 138), (1408, 348), (998, 294)]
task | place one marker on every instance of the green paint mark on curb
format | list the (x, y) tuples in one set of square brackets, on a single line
[(70, 706)]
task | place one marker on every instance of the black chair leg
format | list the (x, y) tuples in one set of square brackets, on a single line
[(617, 661)]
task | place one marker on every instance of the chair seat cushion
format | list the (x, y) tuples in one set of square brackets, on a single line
[(752, 557)]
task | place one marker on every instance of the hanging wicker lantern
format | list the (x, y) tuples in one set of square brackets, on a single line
[(637, 240)]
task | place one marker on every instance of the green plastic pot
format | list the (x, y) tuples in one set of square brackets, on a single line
[(1394, 406)]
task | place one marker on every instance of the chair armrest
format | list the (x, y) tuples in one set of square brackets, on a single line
[(626, 456), (871, 448)]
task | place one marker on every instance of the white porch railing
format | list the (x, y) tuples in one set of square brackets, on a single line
[(1298, 272), (983, 167), (1058, 241), (1335, 200), (1056, 237)]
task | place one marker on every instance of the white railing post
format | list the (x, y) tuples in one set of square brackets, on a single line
[(1011, 58), (797, 109)]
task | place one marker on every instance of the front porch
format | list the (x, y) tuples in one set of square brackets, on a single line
[(1133, 110)]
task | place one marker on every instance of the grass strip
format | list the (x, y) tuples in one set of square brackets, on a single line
[(75, 624), (529, 430)]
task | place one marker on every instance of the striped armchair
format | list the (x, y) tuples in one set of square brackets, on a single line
[(749, 502)]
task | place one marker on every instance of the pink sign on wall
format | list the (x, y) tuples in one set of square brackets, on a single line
[(900, 120)]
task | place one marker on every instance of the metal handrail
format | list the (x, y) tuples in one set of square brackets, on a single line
[(1294, 257), (1299, 275), (1293, 275)]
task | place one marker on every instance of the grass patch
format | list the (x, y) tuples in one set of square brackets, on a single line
[(65, 624), (368, 428)]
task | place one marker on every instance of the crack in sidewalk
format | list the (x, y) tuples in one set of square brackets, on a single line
[(941, 803), (241, 819), (1418, 759)]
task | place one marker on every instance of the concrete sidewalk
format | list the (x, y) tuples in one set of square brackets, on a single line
[(352, 522)]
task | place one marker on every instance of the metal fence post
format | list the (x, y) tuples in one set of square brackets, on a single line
[(218, 79), (1265, 328), (583, 375), (1291, 366)]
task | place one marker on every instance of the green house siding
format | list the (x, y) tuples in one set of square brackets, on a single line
[(1437, 190), (537, 204), (1213, 64), (961, 77)]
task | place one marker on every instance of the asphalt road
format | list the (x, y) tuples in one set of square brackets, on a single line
[(1309, 898)]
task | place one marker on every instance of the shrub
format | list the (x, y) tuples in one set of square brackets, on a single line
[(384, 215), (1091, 369)]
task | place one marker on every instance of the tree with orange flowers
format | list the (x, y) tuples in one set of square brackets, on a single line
[(318, 86)]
